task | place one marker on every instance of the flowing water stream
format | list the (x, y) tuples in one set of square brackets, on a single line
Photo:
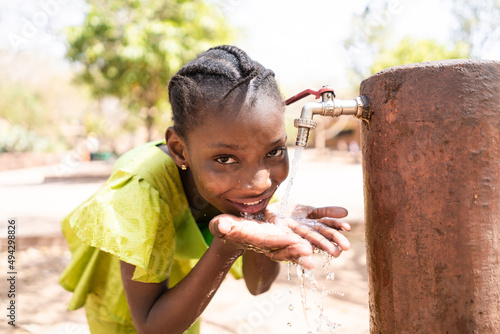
[(293, 173), (315, 317)]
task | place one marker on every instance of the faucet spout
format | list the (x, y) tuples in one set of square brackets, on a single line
[(329, 106), (305, 123)]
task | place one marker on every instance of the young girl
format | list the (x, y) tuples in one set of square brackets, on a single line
[(153, 245)]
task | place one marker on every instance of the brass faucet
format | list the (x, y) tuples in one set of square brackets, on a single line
[(329, 106)]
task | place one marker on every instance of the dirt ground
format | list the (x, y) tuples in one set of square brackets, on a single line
[(39, 205), (42, 302)]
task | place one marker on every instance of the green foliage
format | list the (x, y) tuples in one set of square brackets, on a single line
[(411, 50), (37, 103), (475, 33), (20, 139), (22, 106), (24, 120), (130, 48)]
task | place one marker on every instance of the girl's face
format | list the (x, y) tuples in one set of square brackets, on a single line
[(238, 161)]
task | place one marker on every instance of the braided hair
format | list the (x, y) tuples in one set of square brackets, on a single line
[(220, 80)]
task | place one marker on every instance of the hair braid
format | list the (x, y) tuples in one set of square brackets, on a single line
[(219, 80)]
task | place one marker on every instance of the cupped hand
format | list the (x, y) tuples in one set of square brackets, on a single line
[(277, 242), (320, 226)]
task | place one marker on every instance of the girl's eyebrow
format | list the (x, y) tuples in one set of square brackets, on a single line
[(284, 136), (224, 145), (236, 146)]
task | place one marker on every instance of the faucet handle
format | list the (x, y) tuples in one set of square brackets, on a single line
[(308, 92)]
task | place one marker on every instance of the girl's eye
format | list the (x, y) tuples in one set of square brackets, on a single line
[(226, 160), (276, 153)]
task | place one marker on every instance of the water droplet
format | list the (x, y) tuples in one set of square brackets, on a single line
[(290, 307), (289, 324), (330, 276)]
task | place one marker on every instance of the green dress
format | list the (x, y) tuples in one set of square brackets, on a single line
[(140, 216)]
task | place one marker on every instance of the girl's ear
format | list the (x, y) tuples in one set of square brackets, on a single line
[(177, 148)]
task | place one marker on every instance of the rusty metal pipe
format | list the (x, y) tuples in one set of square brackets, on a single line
[(431, 165)]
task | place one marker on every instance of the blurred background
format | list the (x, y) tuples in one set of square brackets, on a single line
[(84, 81)]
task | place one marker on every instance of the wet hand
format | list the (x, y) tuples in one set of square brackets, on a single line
[(320, 226), (277, 242)]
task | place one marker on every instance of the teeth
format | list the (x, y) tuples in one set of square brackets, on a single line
[(253, 203)]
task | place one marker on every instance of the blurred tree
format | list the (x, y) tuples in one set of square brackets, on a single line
[(477, 24), (130, 48), (476, 33), (37, 101), (410, 50), (370, 32), (22, 106)]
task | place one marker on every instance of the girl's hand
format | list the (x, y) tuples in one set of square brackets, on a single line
[(320, 226), (278, 243)]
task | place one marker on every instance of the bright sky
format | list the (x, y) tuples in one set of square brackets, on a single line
[(26, 25), (302, 41)]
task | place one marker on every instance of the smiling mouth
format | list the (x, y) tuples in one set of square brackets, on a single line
[(253, 203), (251, 207)]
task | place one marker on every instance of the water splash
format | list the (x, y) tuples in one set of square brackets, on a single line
[(301, 273), (306, 275), (258, 217), (312, 299)]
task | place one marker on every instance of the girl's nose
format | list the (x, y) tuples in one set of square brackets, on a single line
[(258, 181)]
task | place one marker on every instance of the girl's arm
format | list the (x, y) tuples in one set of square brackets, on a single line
[(157, 309), (259, 272)]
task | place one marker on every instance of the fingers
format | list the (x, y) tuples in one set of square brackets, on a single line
[(290, 240), (221, 225), (322, 233), (265, 241), (315, 236), (300, 253), (301, 211), (332, 235), (337, 224), (330, 211), (270, 215), (263, 236)]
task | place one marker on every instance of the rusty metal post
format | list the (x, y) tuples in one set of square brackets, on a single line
[(431, 163)]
